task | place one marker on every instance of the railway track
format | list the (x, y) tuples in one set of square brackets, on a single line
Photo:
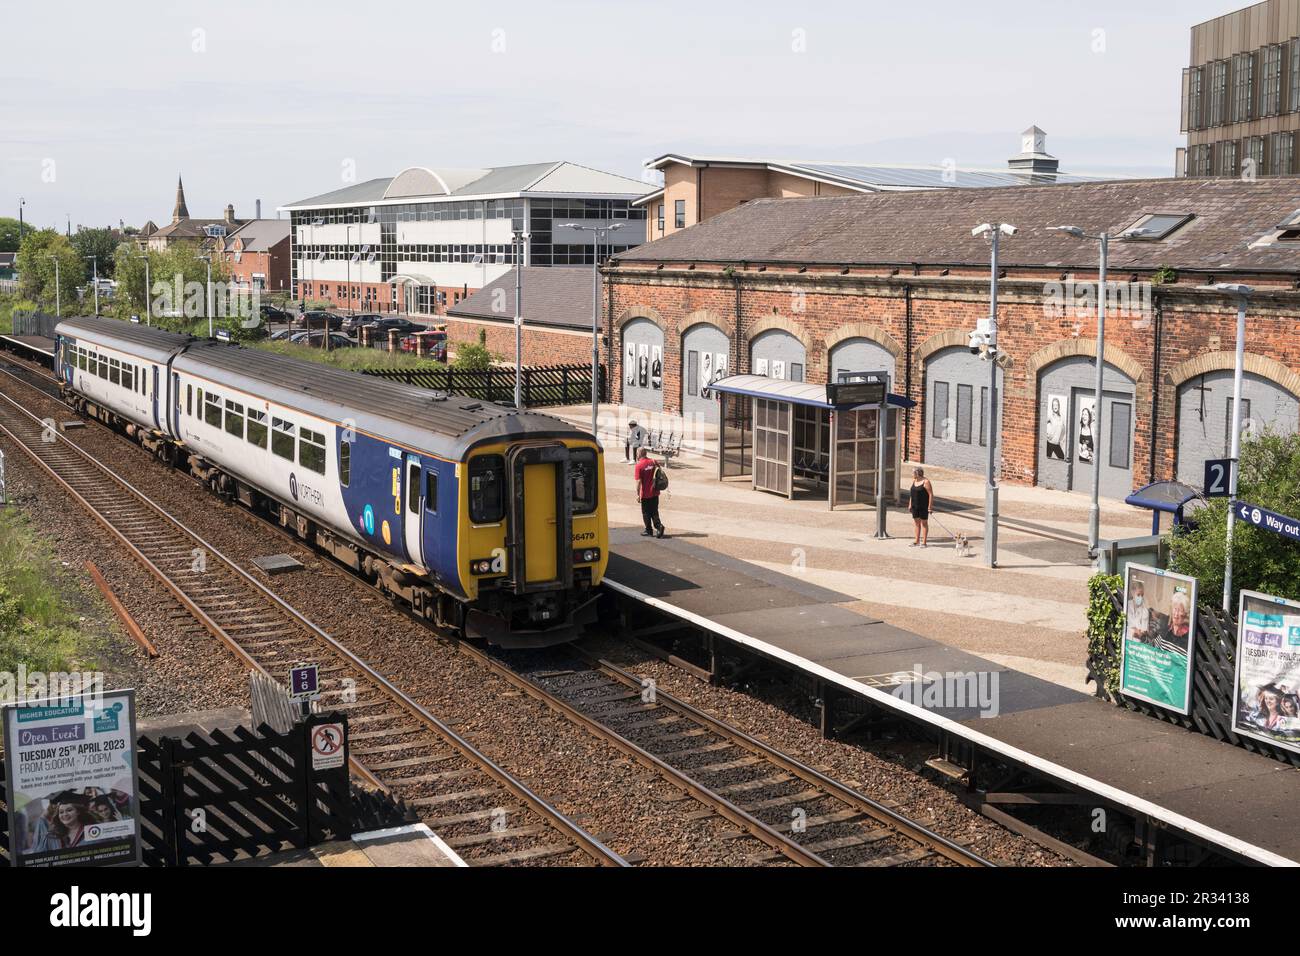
[(483, 812), (796, 813)]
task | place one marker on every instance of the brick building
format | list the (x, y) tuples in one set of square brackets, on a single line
[(698, 187), (557, 307), (256, 255), (809, 289)]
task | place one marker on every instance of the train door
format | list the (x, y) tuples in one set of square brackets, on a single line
[(413, 511), (175, 404), (153, 398), (541, 527)]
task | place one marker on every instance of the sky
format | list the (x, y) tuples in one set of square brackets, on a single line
[(105, 104)]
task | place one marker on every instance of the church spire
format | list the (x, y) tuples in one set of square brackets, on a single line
[(180, 212)]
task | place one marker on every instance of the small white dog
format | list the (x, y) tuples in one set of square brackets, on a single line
[(962, 545)]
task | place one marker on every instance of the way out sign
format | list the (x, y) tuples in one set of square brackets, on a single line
[(327, 748), (1268, 520)]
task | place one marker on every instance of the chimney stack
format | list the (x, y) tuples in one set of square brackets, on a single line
[(230, 213), (259, 210)]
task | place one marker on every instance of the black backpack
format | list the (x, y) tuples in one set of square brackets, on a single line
[(661, 479)]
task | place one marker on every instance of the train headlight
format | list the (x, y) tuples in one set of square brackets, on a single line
[(586, 556), (480, 566)]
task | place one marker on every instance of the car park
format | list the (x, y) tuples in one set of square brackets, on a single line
[(318, 320)]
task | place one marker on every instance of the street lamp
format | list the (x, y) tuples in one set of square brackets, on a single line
[(598, 233), (94, 263), (989, 337), (1242, 293), (148, 309), (208, 294), (21, 202), (519, 243), (58, 307)]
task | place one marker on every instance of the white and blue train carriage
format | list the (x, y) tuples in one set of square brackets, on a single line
[(480, 516)]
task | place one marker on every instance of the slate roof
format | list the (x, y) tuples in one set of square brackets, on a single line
[(1234, 227), (558, 296)]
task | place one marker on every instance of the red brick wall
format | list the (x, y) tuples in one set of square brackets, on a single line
[(816, 304), (541, 346)]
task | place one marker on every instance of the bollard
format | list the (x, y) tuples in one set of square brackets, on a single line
[(422, 345), (392, 339), (363, 336)]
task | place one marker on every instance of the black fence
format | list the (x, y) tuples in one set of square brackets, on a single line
[(542, 385), (1213, 695), (216, 797), (34, 323)]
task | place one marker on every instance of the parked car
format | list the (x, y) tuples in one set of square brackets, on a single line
[(436, 349), (284, 335), (381, 328), (271, 314), (317, 320), (352, 324), (316, 340)]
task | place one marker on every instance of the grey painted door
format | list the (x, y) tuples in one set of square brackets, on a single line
[(778, 354), (1070, 434), (705, 359), (1205, 417), (956, 410), (862, 355), (643, 365)]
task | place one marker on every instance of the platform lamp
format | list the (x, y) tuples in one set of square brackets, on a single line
[(519, 241), (1242, 294), (988, 336), (208, 294), (1094, 508), (598, 233), (94, 265)]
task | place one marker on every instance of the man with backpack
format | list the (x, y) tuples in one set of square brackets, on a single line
[(650, 480)]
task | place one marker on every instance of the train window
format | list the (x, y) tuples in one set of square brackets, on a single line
[(413, 487), (235, 418), (257, 428), (431, 491), (102, 364), (189, 400), (282, 438), (114, 372), (212, 410), (345, 462), (311, 450), (128, 377), (583, 480), (487, 489)]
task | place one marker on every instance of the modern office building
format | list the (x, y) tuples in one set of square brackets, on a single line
[(1241, 94), (699, 187), (423, 240)]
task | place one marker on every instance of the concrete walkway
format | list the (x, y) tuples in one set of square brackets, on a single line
[(1028, 613)]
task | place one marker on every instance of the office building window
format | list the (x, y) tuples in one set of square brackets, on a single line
[(1228, 157), (1293, 91), (1218, 93), (1255, 154), (1281, 153), (661, 217), (679, 213), (1195, 93), (1270, 87), (1243, 87)]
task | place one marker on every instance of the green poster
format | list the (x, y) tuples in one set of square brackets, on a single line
[(1159, 637)]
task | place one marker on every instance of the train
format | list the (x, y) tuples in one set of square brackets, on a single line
[(486, 519)]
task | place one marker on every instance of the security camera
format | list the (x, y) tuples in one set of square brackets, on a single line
[(1008, 230), (977, 343)]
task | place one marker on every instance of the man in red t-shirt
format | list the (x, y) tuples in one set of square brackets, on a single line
[(647, 493)]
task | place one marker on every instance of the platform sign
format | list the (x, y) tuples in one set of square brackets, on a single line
[(304, 682), (1159, 637), (1218, 476), (1259, 517), (1267, 696), (327, 746), (73, 788)]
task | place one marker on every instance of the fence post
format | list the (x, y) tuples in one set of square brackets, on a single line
[(173, 788), (307, 778), (564, 384)]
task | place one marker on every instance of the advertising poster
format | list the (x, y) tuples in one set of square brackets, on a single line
[(760, 367), (706, 373), (1268, 670), (1058, 432), (719, 367), (778, 368), (1159, 635), (657, 367), (70, 770)]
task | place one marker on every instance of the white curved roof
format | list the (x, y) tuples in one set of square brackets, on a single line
[(427, 181)]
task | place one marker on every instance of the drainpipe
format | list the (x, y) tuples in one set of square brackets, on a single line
[(609, 338), (1157, 311), (735, 368), (907, 369)]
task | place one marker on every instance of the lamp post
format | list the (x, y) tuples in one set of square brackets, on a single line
[(58, 306), (208, 294), (988, 336), (518, 241), (1242, 293), (21, 202), (94, 264), (598, 233), (148, 309)]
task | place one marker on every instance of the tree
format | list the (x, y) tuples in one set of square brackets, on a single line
[(36, 270), (473, 358), (179, 277), (1269, 476), (99, 243), (9, 233)]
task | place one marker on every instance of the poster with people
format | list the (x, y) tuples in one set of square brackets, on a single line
[(1058, 431), (1087, 430), (73, 791), (1268, 670), (657, 367), (719, 367), (778, 368), (643, 365), (706, 373), (760, 366), (629, 362), (1159, 637)]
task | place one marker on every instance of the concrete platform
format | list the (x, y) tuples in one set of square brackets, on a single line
[(414, 845), (29, 344), (1213, 791)]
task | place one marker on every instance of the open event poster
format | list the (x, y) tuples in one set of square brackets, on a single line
[(1268, 670), (70, 770), (1159, 637)]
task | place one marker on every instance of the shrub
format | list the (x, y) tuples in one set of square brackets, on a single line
[(1105, 623), (473, 358)]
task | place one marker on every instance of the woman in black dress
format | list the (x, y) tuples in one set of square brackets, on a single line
[(922, 502)]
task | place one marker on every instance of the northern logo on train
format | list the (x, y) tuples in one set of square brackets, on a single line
[(293, 485)]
